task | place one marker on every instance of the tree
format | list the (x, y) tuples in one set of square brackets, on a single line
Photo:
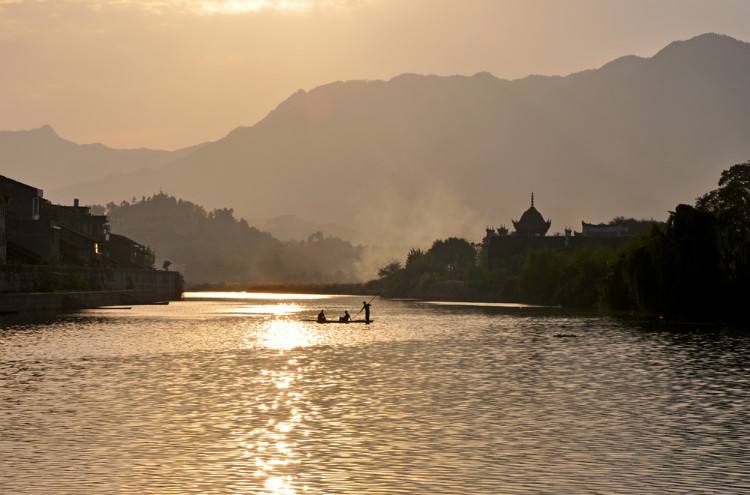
[(733, 195), (452, 257), (676, 269), (414, 257), (389, 269), (730, 204)]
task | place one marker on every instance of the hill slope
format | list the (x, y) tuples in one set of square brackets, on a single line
[(217, 247)]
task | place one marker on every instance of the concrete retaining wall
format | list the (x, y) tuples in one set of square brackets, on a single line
[(31, 302), (26, 288)]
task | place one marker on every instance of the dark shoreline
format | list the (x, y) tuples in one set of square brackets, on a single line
[(647, 322), (654, 321)]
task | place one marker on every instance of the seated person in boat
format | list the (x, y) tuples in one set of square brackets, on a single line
[(346, 318), (322, 317)]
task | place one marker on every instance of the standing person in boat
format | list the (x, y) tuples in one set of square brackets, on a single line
[(366, 307), (346, 318), (322, 317)]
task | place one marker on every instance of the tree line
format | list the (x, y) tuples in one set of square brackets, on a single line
[(696, 264)]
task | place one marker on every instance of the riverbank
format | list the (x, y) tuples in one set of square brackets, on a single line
[(38, 288), (31, 302), (457, 295)]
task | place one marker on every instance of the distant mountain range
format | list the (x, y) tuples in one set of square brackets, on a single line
[(42, 158), (417, 157)]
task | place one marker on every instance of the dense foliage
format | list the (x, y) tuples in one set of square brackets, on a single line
[(696, 264), (699, 264), (455, 268), (216, 247)]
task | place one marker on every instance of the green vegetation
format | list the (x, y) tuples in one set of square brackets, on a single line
[(216, 247), (696, 264)]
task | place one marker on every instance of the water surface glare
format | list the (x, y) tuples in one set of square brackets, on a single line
[(237, 395)]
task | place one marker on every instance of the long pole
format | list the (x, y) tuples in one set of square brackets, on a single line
[(368, 302)]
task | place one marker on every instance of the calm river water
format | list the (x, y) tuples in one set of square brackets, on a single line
[(237, 395)]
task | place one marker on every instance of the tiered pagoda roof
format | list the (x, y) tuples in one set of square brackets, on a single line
[(532, 223)]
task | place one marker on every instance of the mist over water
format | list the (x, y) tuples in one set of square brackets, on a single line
[(232, 393), (397, 223)]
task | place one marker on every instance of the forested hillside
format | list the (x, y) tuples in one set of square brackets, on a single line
[(215, 246)]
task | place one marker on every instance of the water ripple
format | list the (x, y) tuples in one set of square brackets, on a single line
[(189, 399)]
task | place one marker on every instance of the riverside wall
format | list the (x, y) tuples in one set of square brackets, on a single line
[(28, 288)]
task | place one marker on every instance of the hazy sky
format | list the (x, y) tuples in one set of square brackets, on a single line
[(169, 73)]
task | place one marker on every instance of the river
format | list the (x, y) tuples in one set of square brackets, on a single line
[(233, 393)]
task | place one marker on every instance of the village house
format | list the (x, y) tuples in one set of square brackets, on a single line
[(78, 218), (124, 251), (68, 256), (28, 238), (82, 235), (35, 231)]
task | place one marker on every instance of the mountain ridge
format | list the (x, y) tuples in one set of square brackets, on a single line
[(419, 156), (42, 157)]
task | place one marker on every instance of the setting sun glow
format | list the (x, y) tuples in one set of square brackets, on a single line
[(272, 296), (244, 6)]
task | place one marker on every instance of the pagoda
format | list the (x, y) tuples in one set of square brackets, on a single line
[(532, 223)]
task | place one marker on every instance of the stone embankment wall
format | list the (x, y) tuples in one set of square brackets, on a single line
[(31, 287)]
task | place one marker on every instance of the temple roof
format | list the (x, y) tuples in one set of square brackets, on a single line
[(532, 223)]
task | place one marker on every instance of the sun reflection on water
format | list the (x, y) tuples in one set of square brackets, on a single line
[(286, 334), (273, 296), (280, 485), (275, 446), (278, 309)]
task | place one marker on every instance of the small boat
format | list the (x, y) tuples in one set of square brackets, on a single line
[(337, 321)]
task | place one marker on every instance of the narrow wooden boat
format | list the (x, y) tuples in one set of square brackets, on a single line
[(336, 321)]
